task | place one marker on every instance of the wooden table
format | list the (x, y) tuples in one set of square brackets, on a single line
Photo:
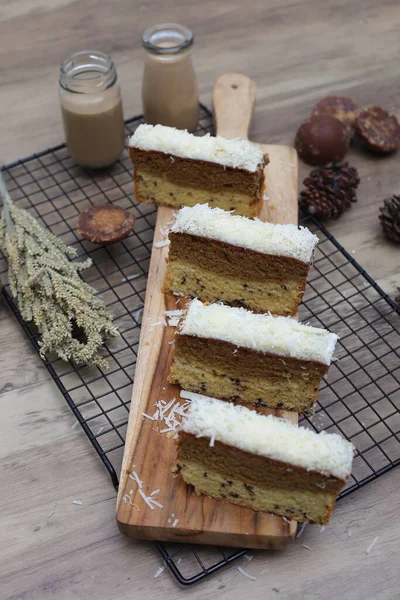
[(297, 52)]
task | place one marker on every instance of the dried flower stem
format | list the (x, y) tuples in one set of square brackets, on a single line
[(71, 321)]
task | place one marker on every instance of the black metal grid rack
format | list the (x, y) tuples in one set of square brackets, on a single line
[(360, 395)]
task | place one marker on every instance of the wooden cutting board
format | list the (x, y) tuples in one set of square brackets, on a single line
[(185, 517)]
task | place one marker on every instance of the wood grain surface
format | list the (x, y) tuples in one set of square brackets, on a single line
[(296, 52), (184, 516)]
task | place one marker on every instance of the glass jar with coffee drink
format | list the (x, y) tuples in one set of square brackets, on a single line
[(91, 108), (169, 93)]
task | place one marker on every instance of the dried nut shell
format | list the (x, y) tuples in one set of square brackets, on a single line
[(379, 130), (105, 224), (322, 140), (342, 108)]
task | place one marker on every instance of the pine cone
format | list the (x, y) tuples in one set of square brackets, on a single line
[(330, 190), (390, 218)]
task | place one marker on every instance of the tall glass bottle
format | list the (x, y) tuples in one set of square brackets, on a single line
[(169, 93)]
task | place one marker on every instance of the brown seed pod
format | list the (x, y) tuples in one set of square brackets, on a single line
[(321, 140), (390, 218), (105, 224), (379, 130), (342, 108), (330, 190)]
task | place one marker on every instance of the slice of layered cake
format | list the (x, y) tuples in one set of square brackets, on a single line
[(215, 255), (260, 360), (265, 463), (174, 167)]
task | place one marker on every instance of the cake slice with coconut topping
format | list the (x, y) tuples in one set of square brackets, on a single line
[(216, 255), (262, 462), (255, 359), (175, 168)]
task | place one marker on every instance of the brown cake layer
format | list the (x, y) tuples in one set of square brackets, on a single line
[(219, 369), (235, 261), (213, 270), (255, 481), (199, 174)]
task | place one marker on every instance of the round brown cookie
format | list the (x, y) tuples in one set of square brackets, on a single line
[(342, 108), (321, 140), (105, 224), (378, 129)]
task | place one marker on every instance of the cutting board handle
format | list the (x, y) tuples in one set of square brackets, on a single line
[(234, 98)]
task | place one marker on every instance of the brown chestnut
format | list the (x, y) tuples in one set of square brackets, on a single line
[(321, 140)]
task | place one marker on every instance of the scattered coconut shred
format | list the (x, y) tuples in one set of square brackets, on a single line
[(246, 574), (161, 244), (127, 498), (173, 317), (151, 501), (159, 571), (53, 508), (372, 544), (170, 414), (301, 530)]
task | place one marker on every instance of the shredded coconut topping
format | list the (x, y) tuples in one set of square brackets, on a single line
[(238, 153), (269, 436), (264, 333), (267, 238)]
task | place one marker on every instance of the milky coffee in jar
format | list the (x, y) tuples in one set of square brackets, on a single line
[(91, 108), (169, 92)]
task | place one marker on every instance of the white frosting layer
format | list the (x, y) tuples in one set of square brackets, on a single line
[(274, 438), (265, 333), (239, 154), (215, 223)]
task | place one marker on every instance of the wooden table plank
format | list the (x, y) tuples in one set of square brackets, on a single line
[(296, 52)]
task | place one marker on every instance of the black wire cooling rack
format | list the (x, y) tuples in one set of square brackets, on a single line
[(359, 397)]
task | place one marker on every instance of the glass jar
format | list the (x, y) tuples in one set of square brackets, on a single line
[(91, 108), (169, 92)]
